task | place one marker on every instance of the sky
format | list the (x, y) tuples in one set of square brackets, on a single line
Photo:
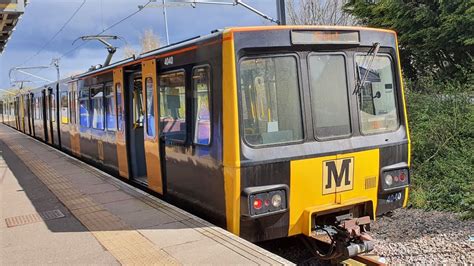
[(43, 18)]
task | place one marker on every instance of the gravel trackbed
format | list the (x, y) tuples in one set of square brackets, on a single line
[(409, 236)]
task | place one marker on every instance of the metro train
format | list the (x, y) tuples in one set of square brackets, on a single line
[(269, 132)]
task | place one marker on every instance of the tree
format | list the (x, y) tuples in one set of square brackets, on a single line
[(317, 12), (149, 41), (436, 37)]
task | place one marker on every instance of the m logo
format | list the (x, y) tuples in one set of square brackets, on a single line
[(338, 175)]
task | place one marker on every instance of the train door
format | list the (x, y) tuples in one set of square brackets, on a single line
[(32, 114), (21, 107), (27, 114), (174, 127), (49, 123), (151, 139), (57, 121), (17, 113), (134, 127), (122, 158)]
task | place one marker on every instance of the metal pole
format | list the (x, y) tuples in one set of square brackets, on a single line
[(281, 11), (166, 23)]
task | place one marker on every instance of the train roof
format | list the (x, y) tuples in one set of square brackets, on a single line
[(200, 39), (216, 33)]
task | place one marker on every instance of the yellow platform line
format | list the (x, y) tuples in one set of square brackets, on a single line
[(127, 245)]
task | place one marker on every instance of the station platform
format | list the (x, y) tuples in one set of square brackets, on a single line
[(56, 209)]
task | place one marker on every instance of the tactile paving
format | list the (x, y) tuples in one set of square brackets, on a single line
[(128, 246), (33, 218)]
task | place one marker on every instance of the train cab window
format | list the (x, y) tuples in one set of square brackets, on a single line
[(377, 105), (202, 114), (138, 115), (270, 100), (150, 108), (173, 105), (111, 119), (329, 95), (64, 108), (118, 98), (97, 101), (84, 106)]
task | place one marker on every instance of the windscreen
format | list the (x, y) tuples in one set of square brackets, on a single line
[(377, 103), (270, 100)]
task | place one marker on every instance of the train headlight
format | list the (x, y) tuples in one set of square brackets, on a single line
[(388, 179), (265, 200), (276, 200)]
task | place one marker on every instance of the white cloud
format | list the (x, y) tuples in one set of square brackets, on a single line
[(44, 17)]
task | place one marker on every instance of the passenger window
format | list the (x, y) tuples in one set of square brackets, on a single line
[(72, 102), (111, 118), (84, 106), (329, 95), (118, 98), (97, 100), (270, 100), (53, 107), (138, 115), (202, 114), (173, 105), (150, 108), (64, 108)]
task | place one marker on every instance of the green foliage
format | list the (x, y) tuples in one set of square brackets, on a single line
[(442, 134), (436, 37)]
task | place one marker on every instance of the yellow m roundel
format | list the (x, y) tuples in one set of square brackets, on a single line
[(338, 175)]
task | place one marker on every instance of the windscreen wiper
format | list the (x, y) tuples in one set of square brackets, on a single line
[(360, 82)]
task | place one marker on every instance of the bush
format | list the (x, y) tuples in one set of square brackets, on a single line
[(441, 118)]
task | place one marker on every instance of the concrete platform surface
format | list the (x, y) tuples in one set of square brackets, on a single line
[(57, 210)]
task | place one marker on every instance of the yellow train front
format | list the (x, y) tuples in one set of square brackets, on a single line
[(269, 132), (322, 135)]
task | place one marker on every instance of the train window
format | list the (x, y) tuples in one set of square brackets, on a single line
[(72, 109), (97, 101), (72, 102), (84, 106), (53, 107), (138, 115), (270, 100), (150, 108), (111, 119), (173, 105), (202, 119), (329, 95), (377, 104), (64, 108), (118, 99)]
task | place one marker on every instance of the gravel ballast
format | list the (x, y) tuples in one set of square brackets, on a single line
[(417, 236)]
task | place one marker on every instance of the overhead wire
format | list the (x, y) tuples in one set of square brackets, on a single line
[(108, 28), (56, 34)]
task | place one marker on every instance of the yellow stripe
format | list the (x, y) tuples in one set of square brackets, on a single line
[(231, 148), (405, 201)]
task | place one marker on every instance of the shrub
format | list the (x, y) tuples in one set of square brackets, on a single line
[(441, 118)]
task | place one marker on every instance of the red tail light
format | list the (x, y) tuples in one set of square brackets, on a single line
[(402, 177), (257, 204)]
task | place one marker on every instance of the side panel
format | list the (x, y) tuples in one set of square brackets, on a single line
[(152, 154), (120, 137), (231, 145)]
